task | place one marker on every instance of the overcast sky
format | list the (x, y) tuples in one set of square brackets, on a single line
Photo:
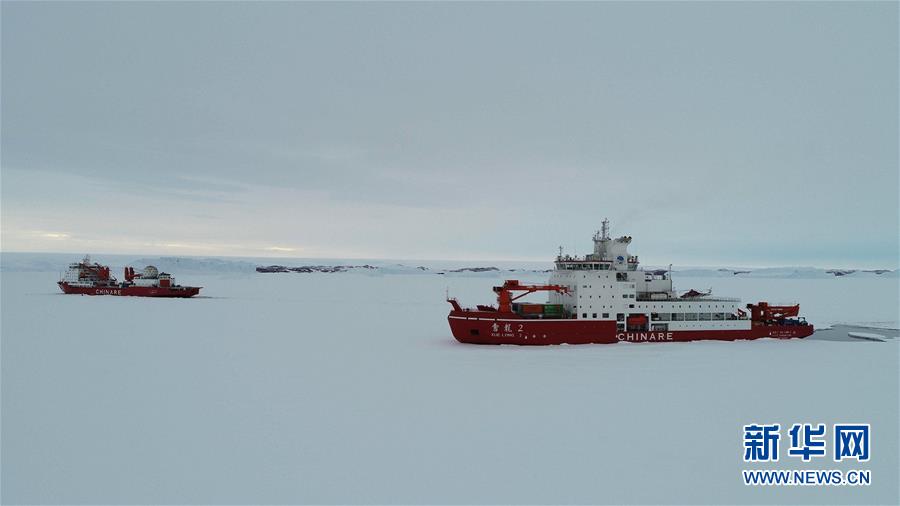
[(713, 133)]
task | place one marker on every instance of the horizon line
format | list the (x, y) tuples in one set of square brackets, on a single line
[(481, 259)]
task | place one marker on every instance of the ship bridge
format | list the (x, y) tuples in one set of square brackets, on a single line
[(609, 254)]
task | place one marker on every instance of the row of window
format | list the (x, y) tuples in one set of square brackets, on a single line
[(673, 306), (699, 306), (586, 267), (674, 317), (680, 317)]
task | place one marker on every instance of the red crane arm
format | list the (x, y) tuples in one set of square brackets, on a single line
[(505, 297)]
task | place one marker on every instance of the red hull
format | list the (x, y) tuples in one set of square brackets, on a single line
[(131, 290), (486, 327)]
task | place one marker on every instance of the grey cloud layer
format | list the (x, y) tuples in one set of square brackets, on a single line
[(648, 113)]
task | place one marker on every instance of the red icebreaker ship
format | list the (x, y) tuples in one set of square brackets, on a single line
[(88, 278), (604, 298)]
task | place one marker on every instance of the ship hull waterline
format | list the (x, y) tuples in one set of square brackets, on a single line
[(482, 327), (131, 290)]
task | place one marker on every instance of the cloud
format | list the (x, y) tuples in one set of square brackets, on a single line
[(53, 235)]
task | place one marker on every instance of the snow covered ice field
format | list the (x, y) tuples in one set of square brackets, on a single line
[(348, 388)]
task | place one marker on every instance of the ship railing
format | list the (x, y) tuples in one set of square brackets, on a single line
[(710, 299), (647, 298)]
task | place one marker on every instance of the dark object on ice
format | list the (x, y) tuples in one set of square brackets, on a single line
[(272, 268), (733, 272), (304, 269)]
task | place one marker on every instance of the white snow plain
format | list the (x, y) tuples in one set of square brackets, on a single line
[(348, 388)]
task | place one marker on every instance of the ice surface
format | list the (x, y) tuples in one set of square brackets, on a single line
[(348, 388)]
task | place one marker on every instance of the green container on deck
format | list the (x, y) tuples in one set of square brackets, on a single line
[(552, 308)]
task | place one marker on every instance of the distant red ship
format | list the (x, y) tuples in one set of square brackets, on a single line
[(88, 278), (604, 298)]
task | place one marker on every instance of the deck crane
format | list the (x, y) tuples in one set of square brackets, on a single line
[(505, 297)]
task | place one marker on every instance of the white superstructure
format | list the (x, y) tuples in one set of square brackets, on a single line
[(87, 274), (149, 277), (608, 285)]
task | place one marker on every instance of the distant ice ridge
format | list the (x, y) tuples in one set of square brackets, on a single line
[(782, 272), (493, 270), (397, 269), (56, 262), (188, 265)]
